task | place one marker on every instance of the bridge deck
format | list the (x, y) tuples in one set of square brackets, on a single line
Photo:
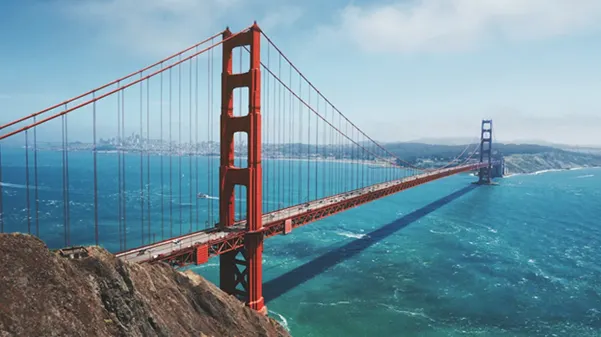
[(220, 241)]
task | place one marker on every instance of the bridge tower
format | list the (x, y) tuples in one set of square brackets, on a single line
[(240, 270), (485, 173)]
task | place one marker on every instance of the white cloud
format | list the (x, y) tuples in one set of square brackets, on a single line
[(284, 16), (159, 27), (162, 27), (447, 25)]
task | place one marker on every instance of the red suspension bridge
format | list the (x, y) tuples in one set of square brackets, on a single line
[(142, 171)]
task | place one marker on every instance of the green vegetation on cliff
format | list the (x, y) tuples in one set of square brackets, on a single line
[(519, 158), (552, 160)]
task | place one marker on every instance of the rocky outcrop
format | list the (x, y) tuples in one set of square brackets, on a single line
[(553, 160), (45, 294)]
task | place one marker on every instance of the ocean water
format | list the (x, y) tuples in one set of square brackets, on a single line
[(445, 259)]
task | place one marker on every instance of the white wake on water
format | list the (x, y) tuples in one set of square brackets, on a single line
[(31, 186), (407, 312), (457, 230), (330, 304), (12, 185), (351, 235)]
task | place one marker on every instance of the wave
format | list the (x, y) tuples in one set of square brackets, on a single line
[(182, 204), (535, 173), (407, 312), (351, 235), (12, 185), (19, 186), (282, 320), (585, 176), (445, 233), (331, 304), (545, 171)]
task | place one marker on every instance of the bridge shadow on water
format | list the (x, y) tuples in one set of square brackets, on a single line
[(280, 285)]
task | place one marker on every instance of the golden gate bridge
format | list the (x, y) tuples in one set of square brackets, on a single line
[(280, 155)]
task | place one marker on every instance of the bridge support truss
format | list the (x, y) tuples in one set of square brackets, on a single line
[(241, 269), (485, 173)]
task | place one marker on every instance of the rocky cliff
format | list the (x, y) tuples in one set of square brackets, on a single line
[(45, 294), (552, 160)]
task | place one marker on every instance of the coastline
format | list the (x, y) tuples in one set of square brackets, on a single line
[(576, 168), (375, 163)]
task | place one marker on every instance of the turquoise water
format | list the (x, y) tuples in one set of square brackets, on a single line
[(444, 259), (447, 259)]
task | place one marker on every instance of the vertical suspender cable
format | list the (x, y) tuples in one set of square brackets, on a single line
[(96, 238), (170, 157), (356, 159), (309, 149), (317, 152), (35, 174), (300, 140), (65, 226), (196, 154), (68, 180), (346, 173), (27, 182), (324, 153), (209, 146), (140, 139), (350, 149), (190, 152), (146, 145), (280, 128), (179, 150), (272, 128), (214, 138), (162, 152), (210, 132), (363, 166), (330, 152), (119, 140), (291, 138), (266, 126), (124, 199)]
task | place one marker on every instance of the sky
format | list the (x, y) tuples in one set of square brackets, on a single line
[(399, 69)]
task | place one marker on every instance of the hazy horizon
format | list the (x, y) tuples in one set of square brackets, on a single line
[(412, 69)]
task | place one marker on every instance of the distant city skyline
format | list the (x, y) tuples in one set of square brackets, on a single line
[(401, 69)]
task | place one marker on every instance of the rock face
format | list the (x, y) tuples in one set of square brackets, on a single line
[(45, 294), (528, 163)]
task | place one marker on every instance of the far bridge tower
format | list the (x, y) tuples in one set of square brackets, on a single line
[(492, 169)]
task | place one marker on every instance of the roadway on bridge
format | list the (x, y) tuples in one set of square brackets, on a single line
[(168, 247)]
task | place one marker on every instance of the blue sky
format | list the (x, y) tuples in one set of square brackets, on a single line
[(400, 69)]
